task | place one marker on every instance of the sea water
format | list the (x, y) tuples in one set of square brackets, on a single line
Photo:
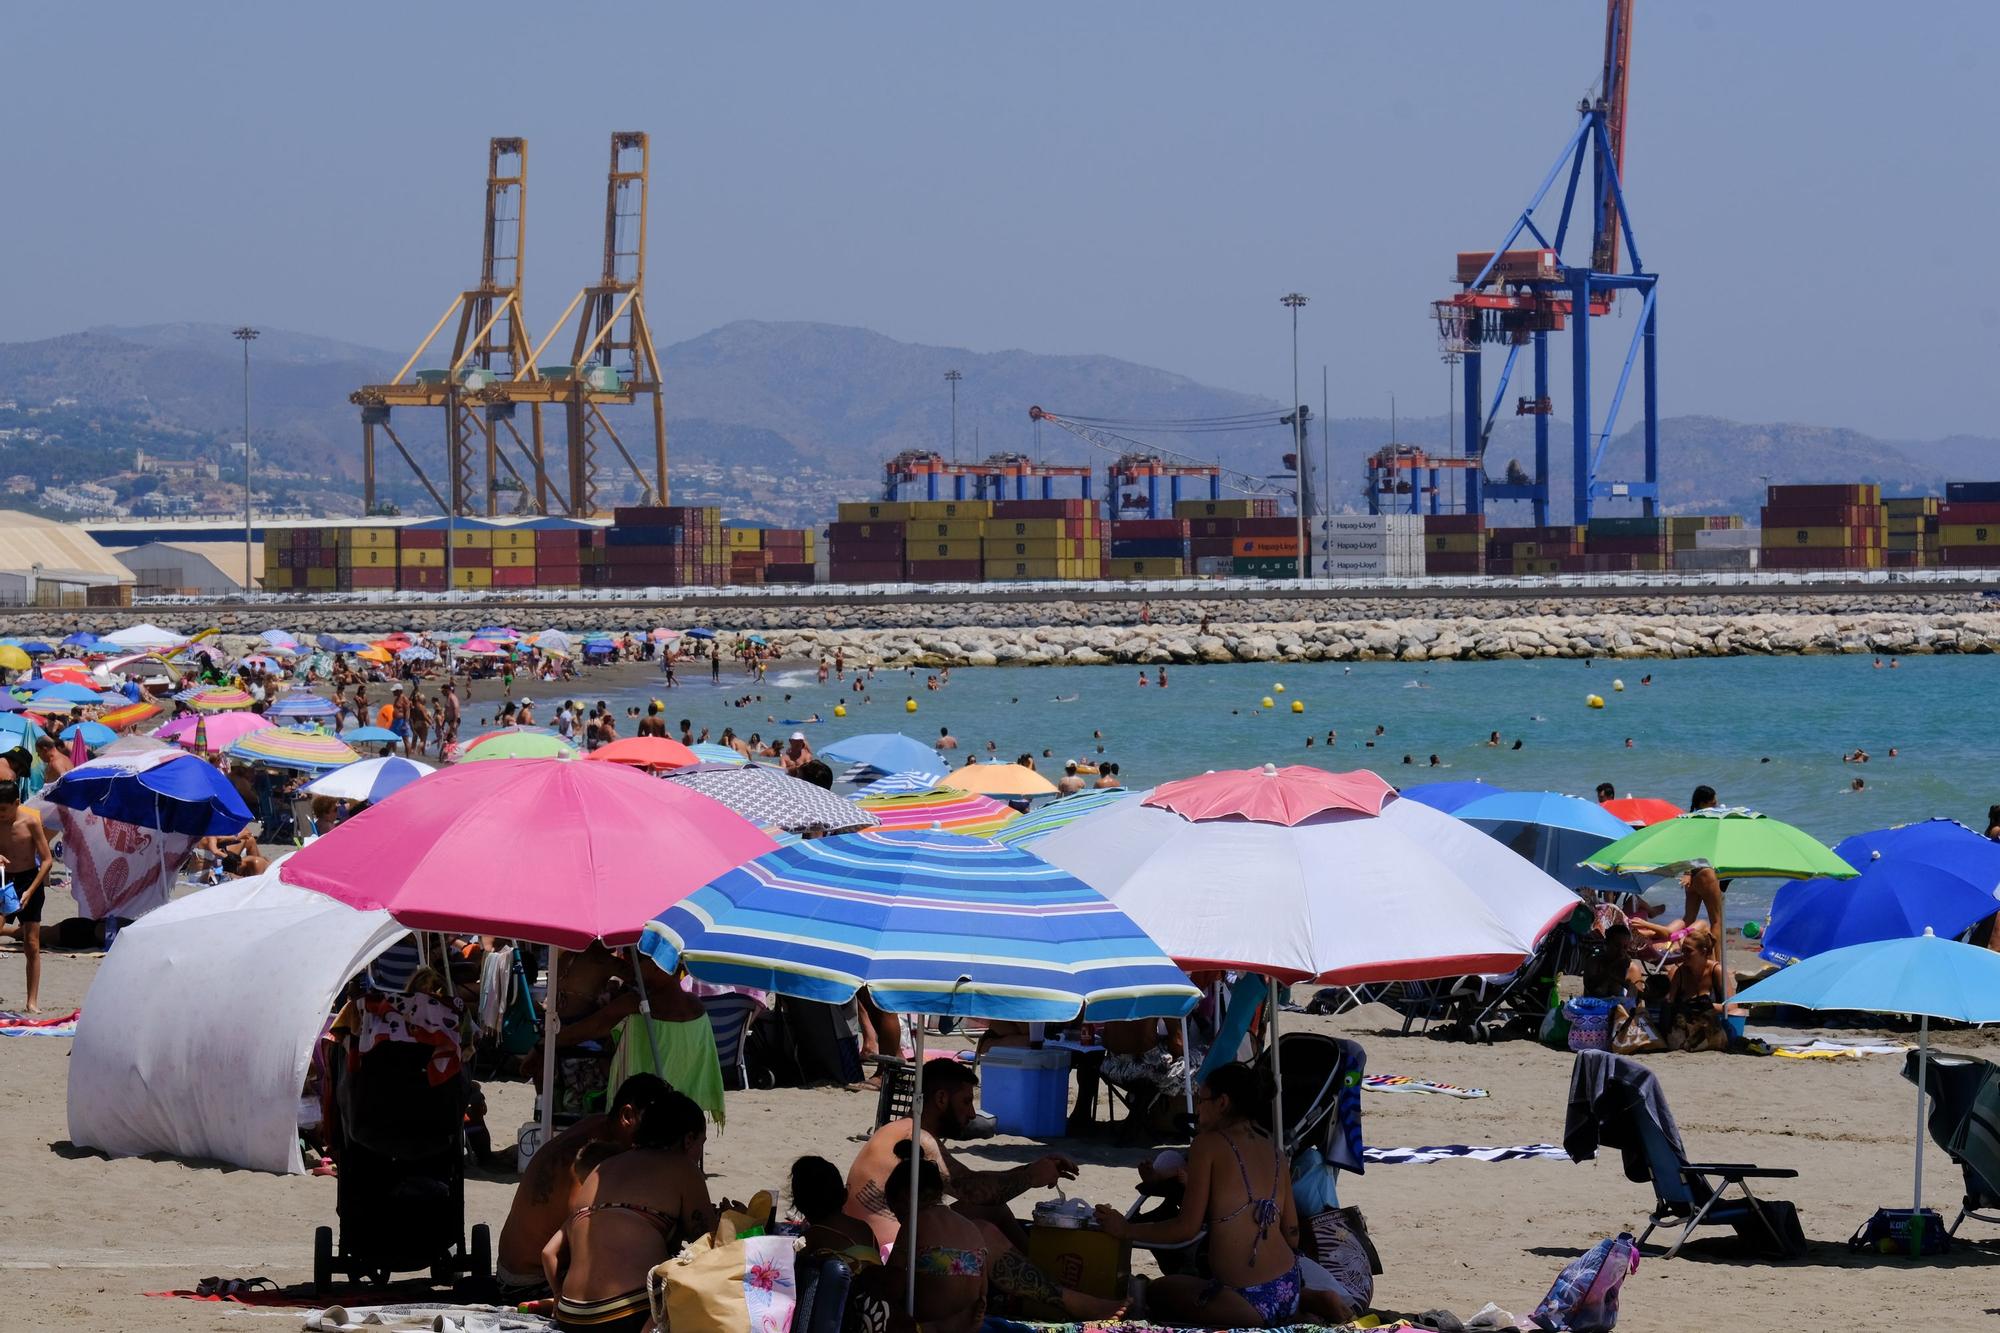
[(1767, 733)]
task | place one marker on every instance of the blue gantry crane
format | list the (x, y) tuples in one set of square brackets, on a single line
[(1517, 297)]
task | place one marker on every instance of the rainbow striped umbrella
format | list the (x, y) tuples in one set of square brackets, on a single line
[(292, 747), (301, 703), (216, 698), (953, 811), (128, 715), (931, 923), (1058, 813), (216, 733), (515, 743)]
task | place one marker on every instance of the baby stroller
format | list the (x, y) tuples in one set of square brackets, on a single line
[(400, 1097)]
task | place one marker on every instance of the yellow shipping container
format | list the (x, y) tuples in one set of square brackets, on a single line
[(1913, 506), (367, 557), (1908, 541), (1023, 569), (1968, 534), (1856, 539), (942, 529), (1065, 548), (745, 539), (320, 578), (870, 511), (471, 539), (471, 578), (965, 548), (421, 557), (1463, 543), (936, 509), (513, 539), (1154, 567), (514, 557), (1215, 509), (368, 537), (1038, 529)]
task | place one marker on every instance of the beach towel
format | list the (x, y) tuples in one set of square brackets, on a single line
[(686, 1058), (13, 1024), (422, 1317), (1826, 1048), (1405, 1083), (1542, 1152), (116, 868)]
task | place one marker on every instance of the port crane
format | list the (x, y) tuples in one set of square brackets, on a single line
[(1518, 297), (1144, 466)]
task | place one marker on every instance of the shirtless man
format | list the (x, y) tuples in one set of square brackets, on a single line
[(797, 752), (24, 865), (949, 1107), (652, 724), (448, 714), (543, 1200)]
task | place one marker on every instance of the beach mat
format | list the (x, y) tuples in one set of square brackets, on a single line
[(1472, 1152), (1828, 1048), (16, 1024), (1405, 1083), (423, 1316)]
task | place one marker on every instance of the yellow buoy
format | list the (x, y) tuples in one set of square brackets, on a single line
[(1269, 702), (1593, 701), (909, 705), (840, 710), (1279, 688), (1618, 687), (1298, 706)]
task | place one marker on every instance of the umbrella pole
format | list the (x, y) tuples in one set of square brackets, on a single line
[(1277, 1074), (916, 1173), (1923, 1060), (551, 1024), (646, 1012), (1187, 1068)]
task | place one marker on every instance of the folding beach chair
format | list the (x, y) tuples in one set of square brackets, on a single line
[(730, 1016), (1965, 1122)]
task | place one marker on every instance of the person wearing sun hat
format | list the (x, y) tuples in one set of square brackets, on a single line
[(797, 751)]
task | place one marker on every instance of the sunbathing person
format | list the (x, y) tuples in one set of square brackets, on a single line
[(547, 1189), (949, 1251), (1238, 1188), (820, 1196), (638, 1207)]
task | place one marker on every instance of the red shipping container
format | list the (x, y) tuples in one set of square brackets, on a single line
[(868, 552), (378, 576), (1969, 557), (1969, 511), (879, 530), (946, 571), (1141, 529), (1843, 494), (1454, 523), (1043, 508), (1813, 557), (1823, 516), (409, 540), (421, 580), (866, 572), (1199, 547), (1454, 562)]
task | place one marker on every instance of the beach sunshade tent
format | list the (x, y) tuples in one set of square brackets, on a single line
[(1738, 844), (1554, 831), (202, 1022), (1928, 977), (144, 636), (709, 753), (301, 704), (887, 751), (1059, 813), (370, 779), (216, 699), (293, 747), (771, 798), (654, 752), (998, 780), (516, 743), (220, 731), (1639, 811), (952, 811), (1889, 901), (157, 789), (1449, 796)]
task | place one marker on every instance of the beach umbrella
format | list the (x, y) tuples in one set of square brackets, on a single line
[(1554, 831), (95, 734), (1640, 811), (710, 753), (698, 632), (262, 662), (374, 654), (598, 647), (515, 743), (888, 751), (292, 747), (483, 646), (13, 659), (1449, 796), (998, 780), (1272, 795), (18, 731), (216, 698), (1889, 901), (82, 639), (36, 648), (157, 789), (1059, 813), (369, 779), (127, 715), (334, 644), (770, 797), (664, 635), (301, 703), (370, 736), (951, 811), (495, 632), (278, 638), (416, 652), (551, 641), (10, 703), (655, 752), (51, 694), (1943, 843), (218, 732), (144, 635), (907, 783), (1926, 976), (141, 665), (1737, 843), (69, 674)]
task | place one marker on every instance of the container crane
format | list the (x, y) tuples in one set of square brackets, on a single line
[(1518, 297)]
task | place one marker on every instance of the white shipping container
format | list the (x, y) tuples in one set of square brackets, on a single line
[(1715, 558), (1212, 565), (1728, 539)]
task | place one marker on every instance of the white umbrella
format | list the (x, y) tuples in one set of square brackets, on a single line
[(370, 779), (144, 635)]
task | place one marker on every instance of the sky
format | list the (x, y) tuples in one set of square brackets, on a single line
[(1813, 183)]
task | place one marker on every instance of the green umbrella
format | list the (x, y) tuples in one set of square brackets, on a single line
[(516, 743), (1739, 844)]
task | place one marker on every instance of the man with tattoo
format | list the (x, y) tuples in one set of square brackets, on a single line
[(542, 1200), (950, 1105)]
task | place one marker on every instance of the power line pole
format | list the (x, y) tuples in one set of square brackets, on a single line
[(953, 377), (1293, 300), (246, 335)]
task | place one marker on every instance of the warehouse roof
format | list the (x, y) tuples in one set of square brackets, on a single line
[(61, 550)]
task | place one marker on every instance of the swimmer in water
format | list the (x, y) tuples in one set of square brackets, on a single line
[(1162, 681), (1143, 680)]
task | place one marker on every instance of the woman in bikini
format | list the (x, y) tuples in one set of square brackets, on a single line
[(1239, 1187), (635, 1209), (951, 1252)]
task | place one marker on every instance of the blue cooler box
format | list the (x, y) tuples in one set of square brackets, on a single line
[(1025, 1091)]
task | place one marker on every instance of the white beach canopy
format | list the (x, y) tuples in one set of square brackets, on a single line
[(197, 1033), (144, 635)]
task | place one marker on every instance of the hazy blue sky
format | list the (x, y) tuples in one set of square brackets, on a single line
[(1815, 182)]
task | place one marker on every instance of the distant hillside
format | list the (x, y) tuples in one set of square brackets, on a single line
[(813, 408)]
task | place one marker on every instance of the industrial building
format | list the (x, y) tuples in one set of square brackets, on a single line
[(46, 563), (189, 568)]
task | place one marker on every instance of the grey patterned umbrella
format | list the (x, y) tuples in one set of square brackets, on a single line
[(773, 798)]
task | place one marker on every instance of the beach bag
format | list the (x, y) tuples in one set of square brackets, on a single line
[(1333, 1241), (1584, 1298), (1554, 1032), (1902, 1231), (520, 1026), (740, 1286), (1589, 1023), (10, 899), (1631, 1034)]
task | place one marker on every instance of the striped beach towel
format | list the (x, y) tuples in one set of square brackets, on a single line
[(1405, 1083), (1546, 1152)]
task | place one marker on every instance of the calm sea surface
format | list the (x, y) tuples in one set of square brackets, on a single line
[(1768, 733)]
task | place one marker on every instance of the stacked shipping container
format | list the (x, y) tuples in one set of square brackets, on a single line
[(1370, 545), (1454, 543), (1968, 525), (1148, 548), (664, 546), (1824, 527), (1240, 538), (1042, 539)]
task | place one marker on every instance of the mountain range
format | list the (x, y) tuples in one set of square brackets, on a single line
[(835, 402)]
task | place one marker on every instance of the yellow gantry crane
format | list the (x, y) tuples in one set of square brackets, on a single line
[(495, 369)]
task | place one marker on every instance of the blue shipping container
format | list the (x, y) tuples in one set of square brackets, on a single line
[(1973, 492), (663, 535), (1149, 548)]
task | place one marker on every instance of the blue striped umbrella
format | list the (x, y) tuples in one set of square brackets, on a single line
[(710, 753), (301, 703), (1057, 814), (930, 922), (907, 783)]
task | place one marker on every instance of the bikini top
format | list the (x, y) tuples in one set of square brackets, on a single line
[(1264, 1212), (668, 1226)]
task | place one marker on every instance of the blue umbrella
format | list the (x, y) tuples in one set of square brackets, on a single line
[(10, 704), (301, 703), (95, 734), (1449, 796), (889, 751), (598, 647), (907, 783), (157, 789), (699, 633), (1554, 831), (336, 645), (12, 726), (51, 692), (36, 648), (1891, 900), (710, 753), (80, 639), (1059, 813), (370, 736), (1944, 843), (1926, 976)]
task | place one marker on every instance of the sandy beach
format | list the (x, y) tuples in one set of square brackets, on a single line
[(86, 1237)]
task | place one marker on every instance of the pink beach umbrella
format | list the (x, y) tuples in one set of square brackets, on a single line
[(1273, 795), (222, 729)]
